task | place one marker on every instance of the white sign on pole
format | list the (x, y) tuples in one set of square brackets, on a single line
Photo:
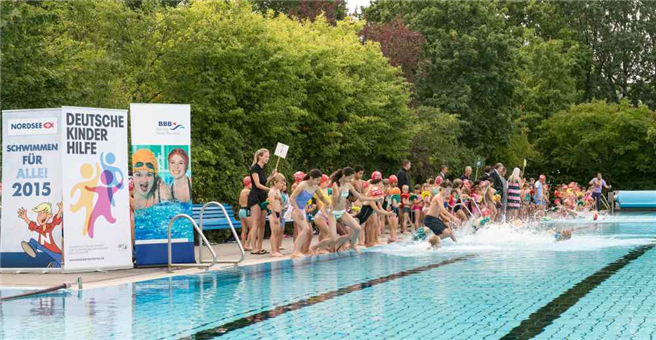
[(281, 150), (94, 145)]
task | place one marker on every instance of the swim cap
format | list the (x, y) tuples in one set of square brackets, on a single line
[(181, 153), (425, 194), (144, 160), (395, 191), (324, 179), (246, 181), (376, 175), (438, 180), (298, 176), (393, 179)]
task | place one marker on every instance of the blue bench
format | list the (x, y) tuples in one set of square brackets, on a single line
[(213, 217)]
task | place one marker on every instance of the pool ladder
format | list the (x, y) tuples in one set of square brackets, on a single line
[(200, 263)]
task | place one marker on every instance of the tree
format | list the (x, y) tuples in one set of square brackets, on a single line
[(469, 63), (547, 82), (398, 43), (435, 142), (599, 137)]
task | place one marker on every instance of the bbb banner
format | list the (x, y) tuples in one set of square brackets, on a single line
[(161, 171)]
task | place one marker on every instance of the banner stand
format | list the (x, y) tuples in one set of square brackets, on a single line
[(65, 176)]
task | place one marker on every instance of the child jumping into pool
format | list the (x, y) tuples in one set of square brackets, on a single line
[(437, 215)]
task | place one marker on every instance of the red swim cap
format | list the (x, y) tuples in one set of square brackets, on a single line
[(324, 178), (246, 181), (298, 176), (438, 180), (393, 179), (376, 175)]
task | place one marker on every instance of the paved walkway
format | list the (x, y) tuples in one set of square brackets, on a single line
[(225, 251)]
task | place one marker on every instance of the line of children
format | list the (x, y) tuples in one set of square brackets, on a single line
[(350, 212)]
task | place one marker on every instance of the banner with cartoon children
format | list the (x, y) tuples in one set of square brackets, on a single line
[(95, 180), (161, 173), (31, 231)]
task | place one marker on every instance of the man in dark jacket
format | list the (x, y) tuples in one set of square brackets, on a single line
[(403, 176), (496, 177), (404, 179)]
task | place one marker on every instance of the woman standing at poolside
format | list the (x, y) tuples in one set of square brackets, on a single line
[(178, 166), (299, 199), (150, 189), (256, 197), (342, 187), (514, 199)]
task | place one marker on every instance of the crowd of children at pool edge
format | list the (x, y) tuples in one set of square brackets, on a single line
[(350, 212)]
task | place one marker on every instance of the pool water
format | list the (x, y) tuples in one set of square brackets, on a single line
[(498, 283)]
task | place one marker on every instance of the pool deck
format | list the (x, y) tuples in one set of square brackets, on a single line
[(225, 251)]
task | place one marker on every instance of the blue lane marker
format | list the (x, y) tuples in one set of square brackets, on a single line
[(545, 316), (275, 312)]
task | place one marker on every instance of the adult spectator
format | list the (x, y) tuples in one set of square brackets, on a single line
[(495, 175), (404, 179), (403, 175), (256, 197), (598, 184), (467, 175), (443, 170), (486, 173)]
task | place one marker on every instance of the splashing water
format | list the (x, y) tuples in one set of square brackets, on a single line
[(587, 235)]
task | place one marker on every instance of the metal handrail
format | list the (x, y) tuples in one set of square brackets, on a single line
[(234, 233), (170, 247), (463, 206)]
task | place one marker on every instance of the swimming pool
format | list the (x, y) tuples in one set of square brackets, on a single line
[(497, 284)]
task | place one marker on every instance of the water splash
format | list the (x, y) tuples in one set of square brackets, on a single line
[(587, 235)]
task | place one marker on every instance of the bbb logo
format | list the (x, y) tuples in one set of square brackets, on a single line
[(170, 124)]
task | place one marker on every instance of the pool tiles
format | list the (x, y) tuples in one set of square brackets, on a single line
[(467, 300), (622, 307)]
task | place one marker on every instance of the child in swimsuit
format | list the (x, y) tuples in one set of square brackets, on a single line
[(405, 205), (417, 205), (244, 212), (276, 221)]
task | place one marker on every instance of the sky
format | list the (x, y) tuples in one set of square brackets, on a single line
[(353, 4)]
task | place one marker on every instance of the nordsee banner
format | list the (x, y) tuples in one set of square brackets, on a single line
[(161, 166), (31, 231), (96, 195)]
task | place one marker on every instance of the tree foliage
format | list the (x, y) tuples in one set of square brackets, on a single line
[(599, 137)]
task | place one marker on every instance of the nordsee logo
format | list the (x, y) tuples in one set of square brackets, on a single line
[(170, 125), (32, 126)]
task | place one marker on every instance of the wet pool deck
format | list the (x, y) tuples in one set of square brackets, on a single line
[(225, 251)]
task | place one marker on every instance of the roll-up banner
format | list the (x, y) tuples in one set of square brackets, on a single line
[(161, 170), (94, 148), (31, 231)]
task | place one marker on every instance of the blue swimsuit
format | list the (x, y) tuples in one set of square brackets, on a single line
[(303, 198)]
